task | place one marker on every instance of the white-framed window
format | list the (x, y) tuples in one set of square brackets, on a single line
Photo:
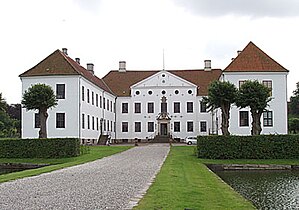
[(60, 91), (177, 127), (150, 107), (138, 127), (189, 107), (124, 108), (268, 84), (203, 107), (124, 127), (176, 107), (203, 126), (244, 118), (150, 127), (137, 107), (189, 126), (268, 118), (60, 120)]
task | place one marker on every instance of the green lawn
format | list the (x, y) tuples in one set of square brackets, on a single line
[(94, 154), (184, 182)]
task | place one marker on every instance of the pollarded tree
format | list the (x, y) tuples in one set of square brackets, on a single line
[(40, 97), (221, 95), (256, 96)]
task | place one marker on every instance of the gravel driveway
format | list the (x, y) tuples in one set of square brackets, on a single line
[(115, 182)]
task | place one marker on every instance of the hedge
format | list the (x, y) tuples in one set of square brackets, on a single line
[(39, 148), (248, 147)]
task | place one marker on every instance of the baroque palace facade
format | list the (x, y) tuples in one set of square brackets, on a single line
[(125, 105)]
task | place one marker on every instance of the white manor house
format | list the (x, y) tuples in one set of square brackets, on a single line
[(126, 105)]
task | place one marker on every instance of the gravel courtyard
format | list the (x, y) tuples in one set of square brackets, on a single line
[(115, 182)]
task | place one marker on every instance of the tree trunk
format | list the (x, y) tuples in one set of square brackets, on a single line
[(225, 119), (43, 116), (256, 128)]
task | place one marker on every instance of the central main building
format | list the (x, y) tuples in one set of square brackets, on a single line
[(125, 105)]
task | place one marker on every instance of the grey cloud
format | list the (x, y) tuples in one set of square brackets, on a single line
[(253, 8)]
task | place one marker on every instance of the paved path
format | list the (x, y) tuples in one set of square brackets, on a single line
[(114, 182)]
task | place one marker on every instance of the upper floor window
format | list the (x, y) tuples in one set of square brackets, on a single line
[(124, 108), (111, 106), (268, 118), (268, 84), (36, 120), (60, 120), (189, 107), (97, 100), (163, 105), (176, 107), (104, 103), (108, 104), (92, 98), (244, 118), (100, 101), (60, 91), (203, 107), (87, 95), (137, 107), (83, 93), (150, 107)]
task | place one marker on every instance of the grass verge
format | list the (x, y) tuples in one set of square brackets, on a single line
[(184, 182), (55, 164)]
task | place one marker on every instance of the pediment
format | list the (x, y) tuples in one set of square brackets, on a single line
[(163, 79)]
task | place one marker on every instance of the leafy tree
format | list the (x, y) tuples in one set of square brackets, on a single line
[(40, 97), (3, 104), (8, 126), (221, 95), (256, 96), (14, 111), (294, 102), (293, 124)]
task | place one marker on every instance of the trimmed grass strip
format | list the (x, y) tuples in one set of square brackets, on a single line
[(184, 182)]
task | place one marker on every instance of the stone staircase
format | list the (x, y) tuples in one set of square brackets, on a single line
[(161, 139), (103, 139)]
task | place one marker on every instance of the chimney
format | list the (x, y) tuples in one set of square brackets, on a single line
[(122, 66), (64, 50), (239, 51), (90, 67), (77, 60), (207, 65)]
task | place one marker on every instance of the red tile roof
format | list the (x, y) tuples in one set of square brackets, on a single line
[(253, 59), (60, 64), (120, 82)]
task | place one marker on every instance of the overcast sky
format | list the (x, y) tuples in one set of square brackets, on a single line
[(104, 32)]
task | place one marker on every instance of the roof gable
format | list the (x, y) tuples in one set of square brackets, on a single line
[(253, 59), (60, 64)]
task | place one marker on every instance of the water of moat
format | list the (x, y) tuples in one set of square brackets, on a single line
[(6, 168), (266, 189)]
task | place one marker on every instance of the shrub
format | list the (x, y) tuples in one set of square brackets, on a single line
[(39, 148), (249, 147)]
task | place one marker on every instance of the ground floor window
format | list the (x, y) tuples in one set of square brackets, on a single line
[(88, 122), (83, 121), (60, 120), (137, 126), (177, 127), (203, 126), (189, 126), (244, 118), (150, 127), (268, 118), (36, 120), (124, 126)]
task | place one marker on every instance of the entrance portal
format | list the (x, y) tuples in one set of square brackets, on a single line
[(163, 129)]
